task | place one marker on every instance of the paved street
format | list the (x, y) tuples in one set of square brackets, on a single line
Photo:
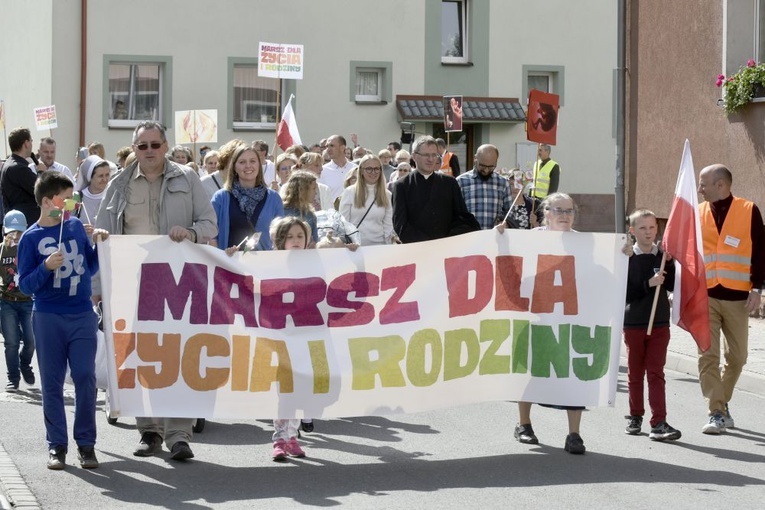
[(455, 458)]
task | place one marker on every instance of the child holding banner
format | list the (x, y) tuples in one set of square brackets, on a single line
[(289, 233), (56, 261), (647, 353)]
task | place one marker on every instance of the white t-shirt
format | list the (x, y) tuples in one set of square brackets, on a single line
[(333, 176)]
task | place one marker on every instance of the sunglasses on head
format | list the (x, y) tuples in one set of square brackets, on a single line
[(144, 145)]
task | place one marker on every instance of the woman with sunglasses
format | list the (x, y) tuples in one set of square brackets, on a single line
[(367, 204)]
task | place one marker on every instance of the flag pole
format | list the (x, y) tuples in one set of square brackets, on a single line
[(278, 115), (656, 296)]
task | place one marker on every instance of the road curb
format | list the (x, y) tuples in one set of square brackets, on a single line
[(683, 363), (14, 492)]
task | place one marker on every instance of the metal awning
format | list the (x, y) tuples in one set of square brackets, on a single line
[(474, 109)]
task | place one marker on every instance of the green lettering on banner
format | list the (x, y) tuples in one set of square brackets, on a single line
[(548, 351), (520, 361), (391, 350), (415, 358), (453, 342), (496, 332), (600, 348)]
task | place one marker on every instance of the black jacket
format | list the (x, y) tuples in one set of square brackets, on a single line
[(640, 295)]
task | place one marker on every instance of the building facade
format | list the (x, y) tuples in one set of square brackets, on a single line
[(106, 64)]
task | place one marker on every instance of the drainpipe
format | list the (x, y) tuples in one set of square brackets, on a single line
[(620, 214), (83, 67)]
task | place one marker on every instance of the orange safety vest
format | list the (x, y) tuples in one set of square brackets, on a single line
[(728, 253), (445, 168)]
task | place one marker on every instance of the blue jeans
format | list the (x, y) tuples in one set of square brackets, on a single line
[(16, 321)]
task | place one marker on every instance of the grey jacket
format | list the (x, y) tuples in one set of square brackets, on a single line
[(183, 201)]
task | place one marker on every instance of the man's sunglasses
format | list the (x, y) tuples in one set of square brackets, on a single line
[(154, 145)]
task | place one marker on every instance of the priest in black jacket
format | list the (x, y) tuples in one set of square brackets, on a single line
[(427, 204)]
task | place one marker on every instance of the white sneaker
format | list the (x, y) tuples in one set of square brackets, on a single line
[(728, 419), (716, 424)]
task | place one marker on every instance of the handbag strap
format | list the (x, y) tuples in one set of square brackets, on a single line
[(365, 214)]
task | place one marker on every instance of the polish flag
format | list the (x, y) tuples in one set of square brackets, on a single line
[(682, 240), (287, 135)]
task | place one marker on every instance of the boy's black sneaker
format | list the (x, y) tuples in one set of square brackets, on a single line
[(87, 457), (306, 426), (57, 458), (663, 432), (12, 387), (634, 423)]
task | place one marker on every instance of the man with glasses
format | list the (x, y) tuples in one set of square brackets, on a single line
[(155, 196), (486, 194), (17, 178), (427, 204)]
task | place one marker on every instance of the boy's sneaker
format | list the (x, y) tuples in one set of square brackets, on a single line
[(728, 419), (87, 457), (306, 425), (574, 444), (150, 443), (716, 424), (12, 387), (28, 375), (525, 434), (293, 448), (57, 458), (634, 424), (663, 432), (280, 450)]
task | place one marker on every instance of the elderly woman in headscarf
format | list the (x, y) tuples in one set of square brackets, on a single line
[(95, 173)]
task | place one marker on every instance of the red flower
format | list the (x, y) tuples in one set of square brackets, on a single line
[(750, 63)]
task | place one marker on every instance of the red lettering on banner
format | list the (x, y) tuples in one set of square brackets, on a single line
[(394, 311), (547, 293), (457, 277), (508, 285), (306, 294), (362, 285)]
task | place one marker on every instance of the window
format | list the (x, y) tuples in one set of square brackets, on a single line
[(136, 90), (368, 86), (545, 78), (454, 35), (540, 81), (254, 98), (371, 82), (743, 34)]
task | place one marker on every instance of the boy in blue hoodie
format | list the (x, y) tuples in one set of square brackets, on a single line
[(56, 263)]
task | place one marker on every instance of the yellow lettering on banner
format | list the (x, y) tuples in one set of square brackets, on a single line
[(167, 354), (391, 351), (320, 365), (416, 370), (214, 378), (240, 363), (453, 342), (264, 373)]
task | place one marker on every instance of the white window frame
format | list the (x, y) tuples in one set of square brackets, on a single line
[(369, 98), (465, 34), (544, 74), (163, 64)]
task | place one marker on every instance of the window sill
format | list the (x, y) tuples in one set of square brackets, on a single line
[(457, 64), (370, 102), (254, 126)]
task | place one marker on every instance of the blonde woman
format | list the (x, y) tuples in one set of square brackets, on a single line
[(284, 164), (313, 162), (367, 204), (298, 196)]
